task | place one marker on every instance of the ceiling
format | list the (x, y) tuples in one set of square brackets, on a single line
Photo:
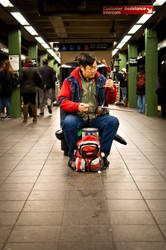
[(65, 27)]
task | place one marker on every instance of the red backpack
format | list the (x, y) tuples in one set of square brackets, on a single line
[(88, 155), (141, 81)]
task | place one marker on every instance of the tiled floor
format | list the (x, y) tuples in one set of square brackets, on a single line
[(44, 205)]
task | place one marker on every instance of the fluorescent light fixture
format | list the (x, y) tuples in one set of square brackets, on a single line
[(51, 52), (40, 39), (125, 39), (144, 18), (159, 2), (19, 17), (6, 3), (54, 55), (45, 45), (31, 30), (114, 52), (120, 45), (134, 29)]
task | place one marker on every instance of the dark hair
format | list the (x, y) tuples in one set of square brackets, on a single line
[(45, 61), (141, 68), (28, 60), (164, 57), (86, 59)]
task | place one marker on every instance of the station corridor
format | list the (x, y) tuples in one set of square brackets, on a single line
[(44, 205)]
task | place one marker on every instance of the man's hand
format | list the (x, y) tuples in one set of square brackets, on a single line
[(109, 84), (83, 107)]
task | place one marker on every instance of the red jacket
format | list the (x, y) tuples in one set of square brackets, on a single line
[(70, 94)]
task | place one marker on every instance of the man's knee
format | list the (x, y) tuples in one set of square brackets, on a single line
[(70, 122), (112, 122)]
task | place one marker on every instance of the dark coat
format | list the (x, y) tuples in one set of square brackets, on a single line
[(7, 83), (48, 76), (29, 79)]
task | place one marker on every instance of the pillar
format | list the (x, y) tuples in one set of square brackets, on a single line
[(132, 73), (14, 45), (122, 62), (151, 69)]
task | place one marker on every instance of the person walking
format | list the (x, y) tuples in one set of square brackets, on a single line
[(81, 93), (8, 81), (29, 81), (140, 90), (48, 80)]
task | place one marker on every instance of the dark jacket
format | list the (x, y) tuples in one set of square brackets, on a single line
[(29, 79), (48, 76), (7, 83)]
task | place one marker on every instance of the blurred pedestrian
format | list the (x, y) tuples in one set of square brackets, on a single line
[(8, 81), (48, 76), (29, 81), (140, 89)]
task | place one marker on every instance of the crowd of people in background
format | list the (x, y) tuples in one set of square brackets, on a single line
[(31, 80), (41, 80)]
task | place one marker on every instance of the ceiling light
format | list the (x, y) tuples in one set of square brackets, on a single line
[(6, 3), (45, 45), (114, 52), (125, 39), (19, 17), (31, 30), (40, 39), (54, 55), (159, 2), (134, 29), (144, 18), (120, 45)]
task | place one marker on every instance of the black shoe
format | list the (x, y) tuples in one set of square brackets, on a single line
[(72, 164), (41, 113), (49, 110), (105, 162)]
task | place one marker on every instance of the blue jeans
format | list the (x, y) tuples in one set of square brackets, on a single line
[(5, 102), (107, 125), (141, 103)]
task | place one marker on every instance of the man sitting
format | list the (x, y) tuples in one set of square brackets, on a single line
[(81, 93)]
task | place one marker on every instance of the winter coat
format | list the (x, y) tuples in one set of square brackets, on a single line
[(48, 76), (71, 95), (7, 83), (29, 79)]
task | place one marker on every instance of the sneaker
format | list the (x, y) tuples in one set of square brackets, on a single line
[(105, 162), (49, 110), (72, 164)]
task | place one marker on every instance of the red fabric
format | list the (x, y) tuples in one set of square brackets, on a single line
[(111, 95)]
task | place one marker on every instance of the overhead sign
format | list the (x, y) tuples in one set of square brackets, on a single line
[(82, 46), (123, 10)]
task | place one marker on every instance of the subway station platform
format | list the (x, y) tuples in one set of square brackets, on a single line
[(44, 205)]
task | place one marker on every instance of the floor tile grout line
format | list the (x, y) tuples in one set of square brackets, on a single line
[(19, 214), (164, 237)]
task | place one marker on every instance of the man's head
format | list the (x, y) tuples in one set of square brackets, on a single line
[(45, 62), (88, 65)]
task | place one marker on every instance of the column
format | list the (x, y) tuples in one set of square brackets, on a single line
[(14, 45), (151, 69), (122, 62), (132, 72)]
